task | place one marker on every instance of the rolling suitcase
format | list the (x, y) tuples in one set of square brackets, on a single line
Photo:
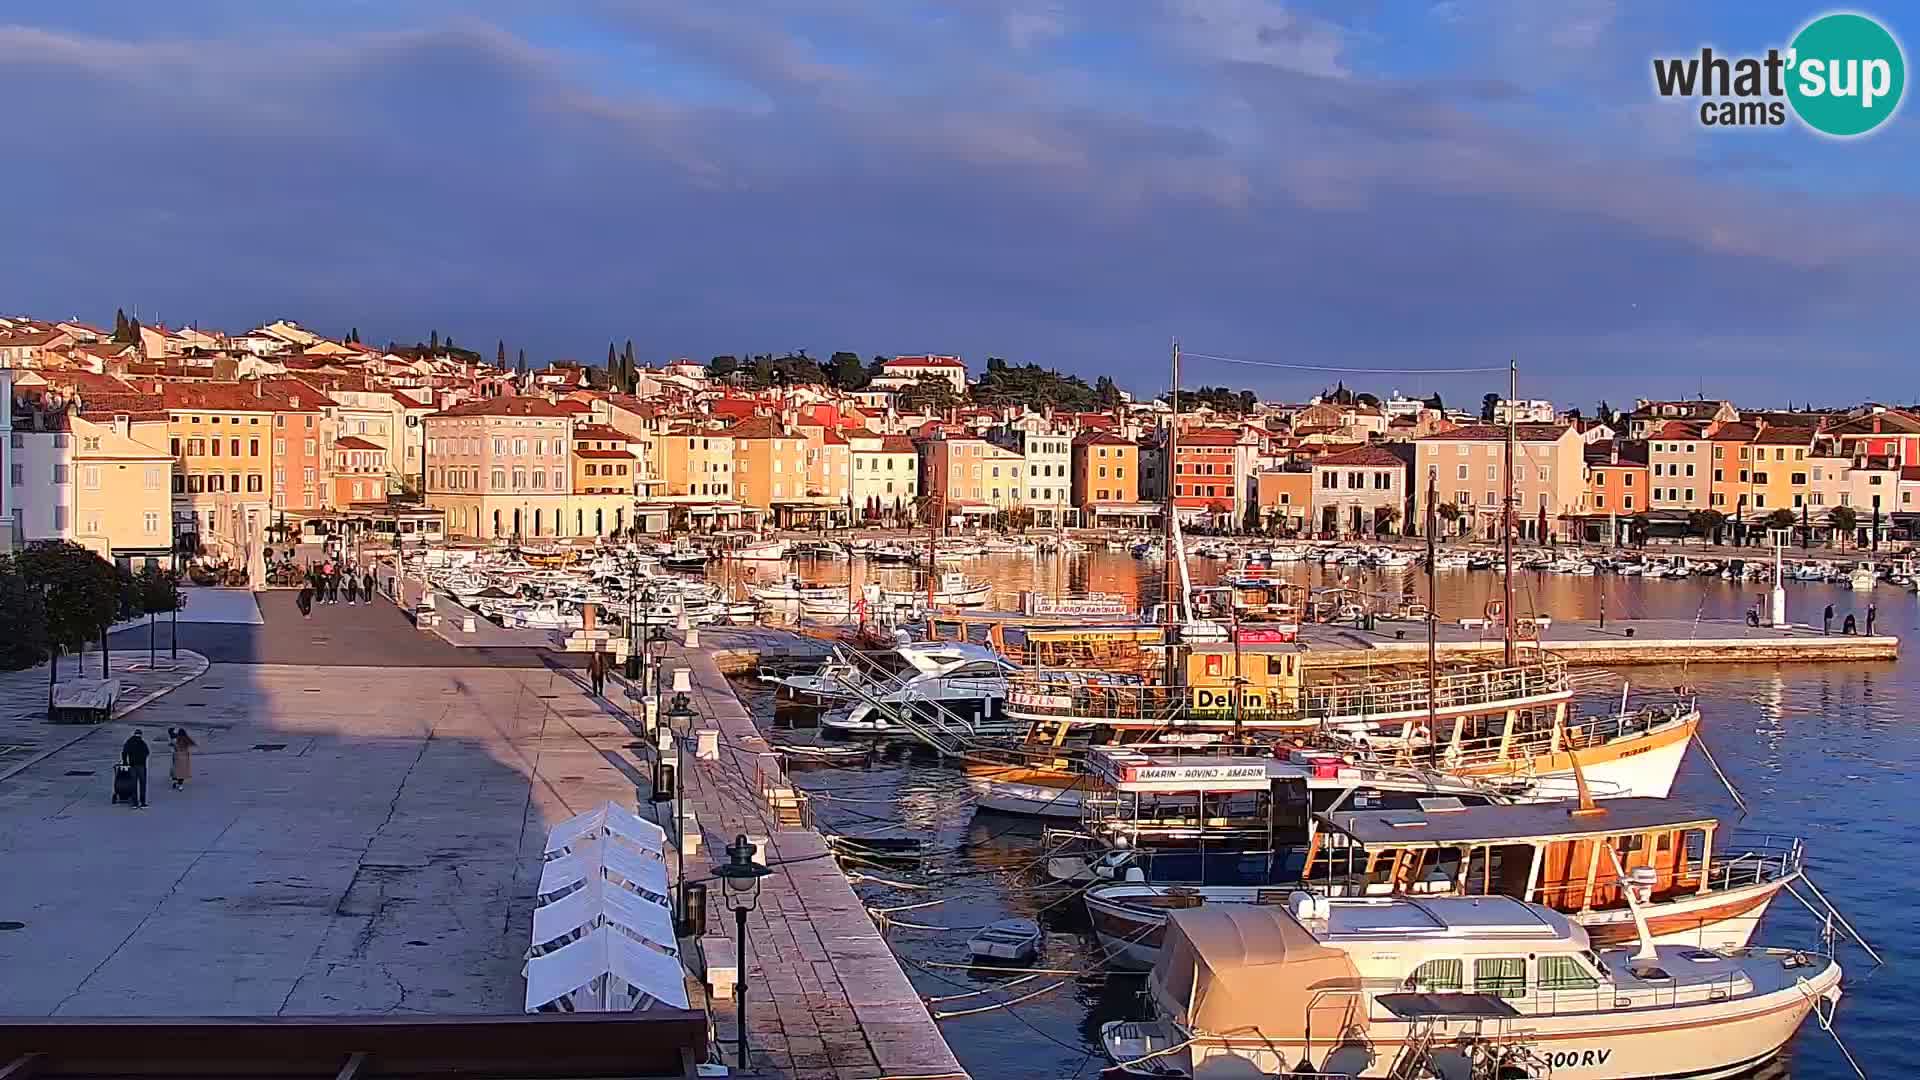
[(124, 787)]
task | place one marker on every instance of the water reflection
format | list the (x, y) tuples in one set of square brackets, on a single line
[(1820, 751)]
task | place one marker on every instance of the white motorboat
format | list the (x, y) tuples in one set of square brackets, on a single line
[(1016, 940), (760, 551), (951, 589), (547, 615), (791, 589), (1390, 986), (972, 695)]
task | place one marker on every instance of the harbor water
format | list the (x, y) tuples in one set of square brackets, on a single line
[(1822, 751)]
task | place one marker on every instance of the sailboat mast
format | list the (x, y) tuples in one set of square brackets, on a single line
[(1433, 615), (1512, 512), (1171, 589)]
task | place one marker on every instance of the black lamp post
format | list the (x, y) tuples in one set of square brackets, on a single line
[(741, 876), (681, 708)]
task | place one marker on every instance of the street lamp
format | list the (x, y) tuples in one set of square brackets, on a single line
[(741, 876), (681, 709)]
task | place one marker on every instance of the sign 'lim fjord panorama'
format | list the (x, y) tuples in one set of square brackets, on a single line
[(1842, 75)]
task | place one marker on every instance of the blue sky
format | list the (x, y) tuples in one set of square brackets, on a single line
[(1069, 182)]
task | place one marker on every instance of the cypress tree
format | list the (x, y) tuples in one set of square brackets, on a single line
[(120, 324), (433, 340), (500, 354)]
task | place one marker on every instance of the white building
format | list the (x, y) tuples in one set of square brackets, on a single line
[(904, 371), (1523, 411), (1049, 473)]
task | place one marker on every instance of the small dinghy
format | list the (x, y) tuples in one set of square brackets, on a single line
[(1009, 939)]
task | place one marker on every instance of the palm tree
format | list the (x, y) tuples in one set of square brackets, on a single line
[(1448, 513)]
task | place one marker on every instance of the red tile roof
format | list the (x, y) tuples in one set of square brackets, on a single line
[(254, 395), (504, 406), (1785, 436), (758, 427), (599, 431), (925, 361), (896, 444), (1209, 437), (603, 455), (102, 408), (355, 442), (1891, 422), (1362, 456), (1490, 432), (1100, 438), (1734, 431)]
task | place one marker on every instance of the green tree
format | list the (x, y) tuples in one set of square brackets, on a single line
[(931, 394), (159, 592), (629, 369), (1707, 524), (82, 596), (1384, 518), (23, 618), (433, 340), (1844, 520), (133, 331), (1105, 392), (1780, 519), (1449, 513), (522, 363), (122, 329), (1250, 521), (449, 343), (1435, 403), (1488, 403), (722, 367), (353, 335), (612, 369), (844, 371), (500, 354)]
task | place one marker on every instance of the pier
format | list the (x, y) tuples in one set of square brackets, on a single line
[(826, 998), (1621, 642)]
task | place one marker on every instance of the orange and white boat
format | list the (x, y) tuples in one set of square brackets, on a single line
[(1693, 886)]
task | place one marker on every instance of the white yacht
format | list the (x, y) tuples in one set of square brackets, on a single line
[(1387, 987)]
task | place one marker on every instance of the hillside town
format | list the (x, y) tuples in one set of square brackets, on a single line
[(143, 441)]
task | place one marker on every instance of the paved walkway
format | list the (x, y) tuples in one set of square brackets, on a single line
[(356, 839), (826, 999), (25, 736)]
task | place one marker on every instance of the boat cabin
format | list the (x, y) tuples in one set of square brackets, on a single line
[(1552, 854)]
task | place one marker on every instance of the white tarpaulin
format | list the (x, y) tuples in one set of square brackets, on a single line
[(590, 860), (619, 968), (609, 819), (600, 903)]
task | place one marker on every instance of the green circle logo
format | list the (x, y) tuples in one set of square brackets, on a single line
[(1846, 74)]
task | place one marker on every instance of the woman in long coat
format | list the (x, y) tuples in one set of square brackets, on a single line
[(183, 745)]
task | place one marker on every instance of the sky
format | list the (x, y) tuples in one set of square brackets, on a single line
[(1076, 183)]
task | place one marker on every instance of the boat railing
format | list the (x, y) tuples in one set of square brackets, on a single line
[(1070, 695), (1754, 858)]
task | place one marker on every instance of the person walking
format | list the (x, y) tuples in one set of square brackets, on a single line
[(305, 601), (133, 754), (333, 584), (1826, 620), (352, 588), (1873, 612), (367, 585), (597, 672), (182, 770)]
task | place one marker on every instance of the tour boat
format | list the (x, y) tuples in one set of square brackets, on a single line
[(1554, 854), (851, 674), (1387, 987)]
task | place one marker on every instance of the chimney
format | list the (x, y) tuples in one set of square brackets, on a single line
[(1613, 452), (295, 399)]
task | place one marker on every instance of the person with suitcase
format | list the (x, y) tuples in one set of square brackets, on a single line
[(133, 754)]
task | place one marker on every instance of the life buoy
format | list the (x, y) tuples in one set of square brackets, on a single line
[(1496, 610)]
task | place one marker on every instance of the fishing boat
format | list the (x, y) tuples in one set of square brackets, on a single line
[(1016, 940), (791, 589), (1384, 987), (760, 551), (950, 588), (683, 556), (1554, 854)]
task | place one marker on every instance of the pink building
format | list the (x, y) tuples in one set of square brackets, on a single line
[(499, 467)]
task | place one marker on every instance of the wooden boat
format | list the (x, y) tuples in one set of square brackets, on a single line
[(1552, 854), (1396, 987), (1016, 940)]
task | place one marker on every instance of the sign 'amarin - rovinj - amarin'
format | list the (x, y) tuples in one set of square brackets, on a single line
[(1843, 75)]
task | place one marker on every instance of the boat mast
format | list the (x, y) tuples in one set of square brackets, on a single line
[(1167, 568), (1511, 512), (1433, 620)]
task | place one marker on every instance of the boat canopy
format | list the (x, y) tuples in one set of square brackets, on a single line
[(1458, 825), (1252, 971)]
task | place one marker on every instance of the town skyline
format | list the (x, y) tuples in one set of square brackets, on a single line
[(1047, 182)]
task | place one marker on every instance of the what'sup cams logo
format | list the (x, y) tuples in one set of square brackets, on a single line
[(1843, 75)]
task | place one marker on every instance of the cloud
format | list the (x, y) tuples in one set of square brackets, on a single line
[(1235, 181)]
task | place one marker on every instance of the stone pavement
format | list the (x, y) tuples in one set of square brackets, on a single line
[(826, 999), (25, 736), (356, 839)]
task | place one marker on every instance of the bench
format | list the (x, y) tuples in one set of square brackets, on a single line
[(1473, 624), (84, 701)]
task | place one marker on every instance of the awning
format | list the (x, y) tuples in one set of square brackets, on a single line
[(601, 904), (610, 819), (591, 860), (613, 971)]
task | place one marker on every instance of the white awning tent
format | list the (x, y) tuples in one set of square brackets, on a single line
[(609, 819), (605, 971), (603, 936)]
